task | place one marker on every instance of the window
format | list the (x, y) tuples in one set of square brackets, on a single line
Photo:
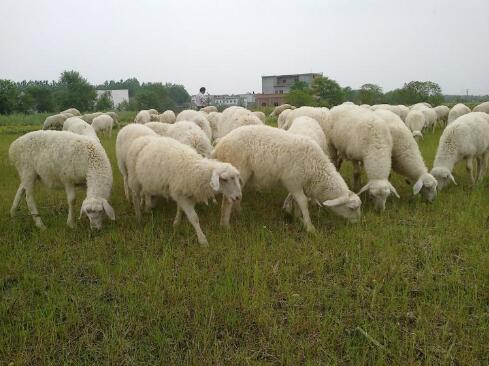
[(284, 81), (281, 91)]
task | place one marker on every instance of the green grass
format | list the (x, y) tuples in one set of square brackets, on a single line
[(409, 286)]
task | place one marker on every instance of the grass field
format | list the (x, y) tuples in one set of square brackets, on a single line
[(409, 286)]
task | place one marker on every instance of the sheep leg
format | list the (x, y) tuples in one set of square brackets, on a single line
[(178, 217), (357, 171), (237, 206), (126, 188), (470, 168), (18, 197), (483, 166), (71, 196), (226, 208), (301, 200), (31, 204), (136, 201), (188, 207)]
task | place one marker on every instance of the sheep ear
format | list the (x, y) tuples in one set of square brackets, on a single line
[(82, 211), (336, 202), (215, 181), (364, 188), (417, 187), (393, 190), (452, 178), (108, 210)]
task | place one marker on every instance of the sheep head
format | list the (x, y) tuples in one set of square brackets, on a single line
[(347, 206), (426, 185), (379, 189), (226, 179), (443, 176), (95, 208)]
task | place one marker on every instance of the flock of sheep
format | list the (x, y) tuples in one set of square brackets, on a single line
[(196, 155)]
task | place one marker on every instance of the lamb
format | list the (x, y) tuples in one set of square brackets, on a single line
[(361, 136), (62, 159), (80, 127), (89, 117), (103, 123), (457, 111), (73, 111), (279, 109), (266, 156), (307, 126), (198, 119), (406, 157), (125, 137), (167, 116), (54, 122), (483, 107), (209, 109), (465, 138), (415, 122), (261, 116), (164, 167), (142, 117)]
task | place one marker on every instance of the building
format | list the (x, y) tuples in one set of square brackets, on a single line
[(118, 96), (275, 86), (227, 100)]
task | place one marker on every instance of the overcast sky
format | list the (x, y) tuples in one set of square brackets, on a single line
[(227, 45)]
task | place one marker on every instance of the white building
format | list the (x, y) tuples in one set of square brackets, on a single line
[(280, 84), (118, 96), (226, 100)]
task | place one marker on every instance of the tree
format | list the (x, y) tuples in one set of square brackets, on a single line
[(42, 95), (178, 94), (8, 96), (154, 95), (75, 91), (370, 94), (327, 91), (415, 92), (299, 85), (300, 97), (104, 102)]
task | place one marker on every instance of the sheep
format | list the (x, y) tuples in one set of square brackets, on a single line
[(457, 111), (125, 137), (159, 127), (209, 109), (266, 156), (214, 119), (279, 109), (483, 107), (420, 105), (115, 117), (406, 157), (441, 112), (282, 118), (167, 116), (321, 115), (80, 127), (67, 115), (363, 137), (307, 126), (403, 112), (142, 117), (240, 117), (153, 112), (62, 159), (103, 123), (261, 116), (73, 111), (89, 117), (430, 117), (393, 108), (164, 167), (198, 118), (415, 122), (54, 122), (465, 138)]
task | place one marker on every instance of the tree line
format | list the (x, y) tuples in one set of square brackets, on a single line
[(73, 90), (326, 92)]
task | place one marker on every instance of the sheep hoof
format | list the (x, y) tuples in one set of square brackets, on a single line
[(71, 225), (204, 242)]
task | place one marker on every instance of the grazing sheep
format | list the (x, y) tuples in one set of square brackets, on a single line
[(406, 157), (465, 138), (420, 105), (214, 119), (415, 122), (103, 123), (282, 118), (362, 136), (307, 126), (115, 117), (261, 116), (62, 159), (266, 156), (164, 167), (80, 127), (457, 111), (483, 107), (54, 122), (442, 112), (159, 127), (430, 117), (90, 116), (142, 117), (321, 115), (209, 109), (125, 137), (167, 116), (279, 109), (240, 117), (198, 118), (403, 111), (393, 108), (67, 115), (153, 111), (73, 111)]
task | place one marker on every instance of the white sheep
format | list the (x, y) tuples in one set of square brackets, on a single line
[(465, 138), (125, 137), (415, 122), (282, 118), (261, 116), (62, 159), (80, 127), (393, 108), (266, 156), (167, 116), (73, 111), (159, 127), (115, 117), (442, 112), (198, 118), (231, 121), (321, 115), (153, 112), (279, 109), (161, 166), (406, 157), (103, 123), (362, 136), (404, 110), (457, 111), (307, 126), (55, 122), (90, 116), (483, 107), (214, 119), (420, 105), (142, 117), (209, 109)]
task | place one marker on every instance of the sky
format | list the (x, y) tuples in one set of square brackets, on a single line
[(227, 45)]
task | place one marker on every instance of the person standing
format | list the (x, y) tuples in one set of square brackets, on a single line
[(201, 100)]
